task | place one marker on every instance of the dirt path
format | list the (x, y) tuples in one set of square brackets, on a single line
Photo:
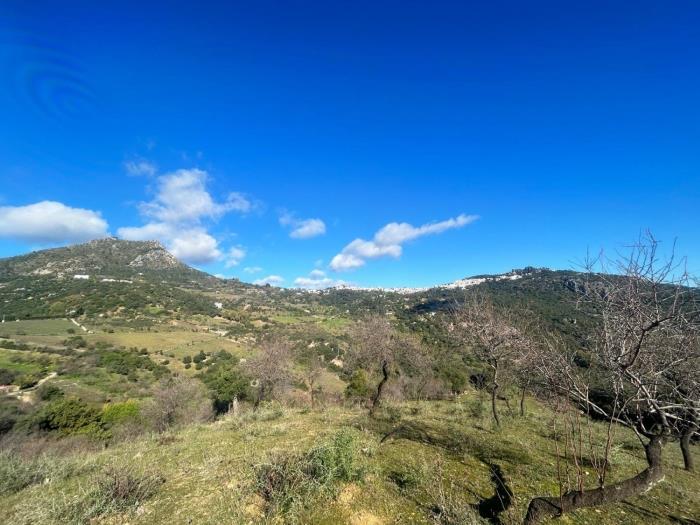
[(76, 323), (26, 394)]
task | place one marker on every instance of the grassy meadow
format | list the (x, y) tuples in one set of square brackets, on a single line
[(439, 469)]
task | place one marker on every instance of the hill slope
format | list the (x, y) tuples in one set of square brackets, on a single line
[(103, 257)]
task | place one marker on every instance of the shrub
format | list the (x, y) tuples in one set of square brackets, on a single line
[(225, 381), (9, 415), (75, 341), (178, 401), (118, 489), (123, 488), (17, 473), (120, 412), (48, 392), (336, 459), (288, 481), (187, 359), (69, 416), (27, 380), (7, 377), (358, 388)]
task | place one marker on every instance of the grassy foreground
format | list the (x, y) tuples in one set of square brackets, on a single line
[(282, 465)]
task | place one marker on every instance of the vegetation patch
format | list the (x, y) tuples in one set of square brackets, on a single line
[(286, 481)]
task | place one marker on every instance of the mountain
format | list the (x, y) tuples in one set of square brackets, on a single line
[(102, 258), (112, 277), (100, 277)]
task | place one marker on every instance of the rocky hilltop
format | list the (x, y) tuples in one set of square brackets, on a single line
[(109, 257)]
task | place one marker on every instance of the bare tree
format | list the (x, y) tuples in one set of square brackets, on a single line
[(494, 337), (311, 378), (178, 401), (646, 340), (377, 347), (270, 368)]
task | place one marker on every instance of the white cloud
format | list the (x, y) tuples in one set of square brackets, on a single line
[(270, 279), (388, 241), (308, 228), (140, 167), (192, 244), (234, 256), (51, 222), (195, 246), (176, 213), (302, 228), (183, 197), (238, 202), (317, 280), (147, 232), (252, 269)]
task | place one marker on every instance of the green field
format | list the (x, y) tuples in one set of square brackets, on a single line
[(20, 361), (37, 327)]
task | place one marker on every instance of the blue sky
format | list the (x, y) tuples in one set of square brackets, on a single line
[(222, 130)]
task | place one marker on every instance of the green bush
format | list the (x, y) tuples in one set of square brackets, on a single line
[(75, 341), (9, 416), (287, 482), (48, 392), (27, 380), (336, 459), (225, 381), (358, 388), (7, 377), (121, 412), (70, 416)]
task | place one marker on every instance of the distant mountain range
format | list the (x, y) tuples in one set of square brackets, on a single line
[(112, 260), (137, 278)]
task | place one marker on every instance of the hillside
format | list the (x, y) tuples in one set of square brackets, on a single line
[(249, 469), (139, 277), (134, 395), (102, 258)]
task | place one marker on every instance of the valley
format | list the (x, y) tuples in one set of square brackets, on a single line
[(214, 401)]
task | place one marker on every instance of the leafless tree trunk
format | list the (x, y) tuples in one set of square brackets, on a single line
[(645, 351), (271, 368), (686, 440), (378, 348), (522, 402), (495, 338), (494, 396), (377, 398), (542, 508)]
